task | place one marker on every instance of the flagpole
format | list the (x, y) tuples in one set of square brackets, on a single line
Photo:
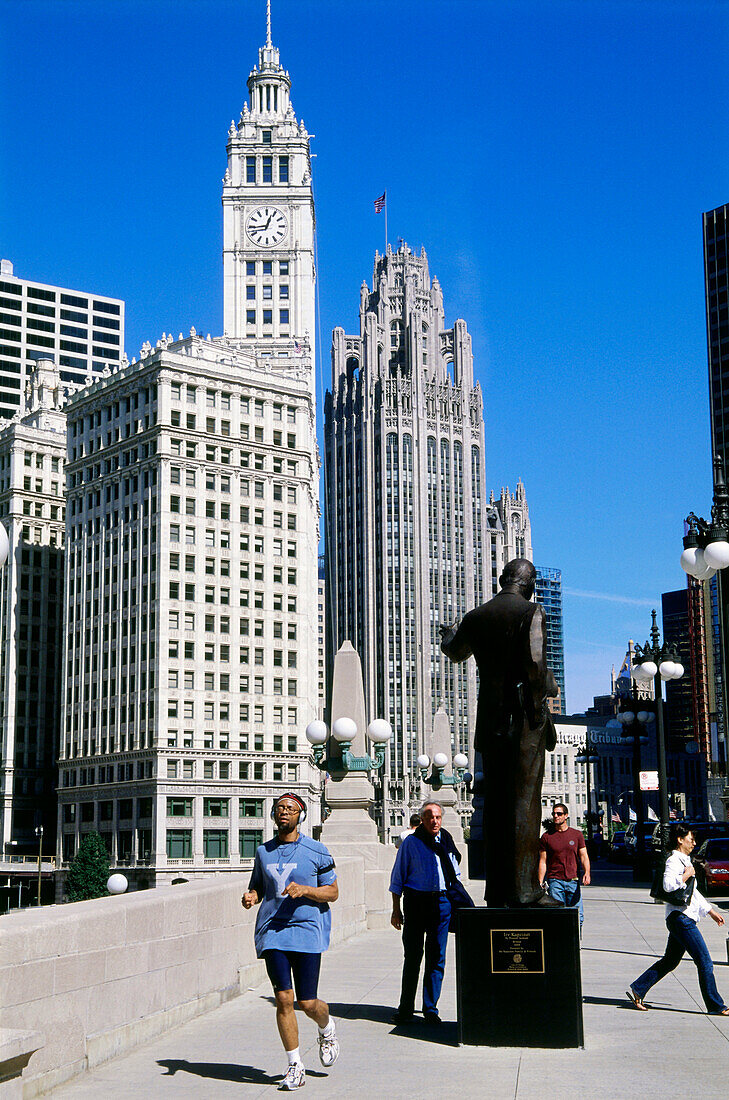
[(385, 222)]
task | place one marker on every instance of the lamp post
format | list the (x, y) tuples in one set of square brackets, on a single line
[(706, 552), (39, 834), (659, 662), (634, 723), (437, 779), (588, 756), (344, 731)]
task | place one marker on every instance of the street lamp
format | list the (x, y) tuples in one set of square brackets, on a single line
[(588, 755), (39, 834), (658, 663), (437, 779), (706, 545), (634, 723), (344, 732)]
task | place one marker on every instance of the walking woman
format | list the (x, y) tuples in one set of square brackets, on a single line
[(683, 933)]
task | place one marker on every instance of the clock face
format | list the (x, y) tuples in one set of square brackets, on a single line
[(267, 226)]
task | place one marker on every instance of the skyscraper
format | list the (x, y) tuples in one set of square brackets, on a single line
[(716, 282), (32, 457), (82, 332), (548, 593), (407, 543), (192, 665)]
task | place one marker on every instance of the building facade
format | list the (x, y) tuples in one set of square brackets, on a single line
[(406, 539), (509, 530), (32, 457), (191, 668), (83, 333)]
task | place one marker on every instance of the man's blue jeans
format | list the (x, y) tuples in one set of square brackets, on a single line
[(568, 893), (683, 936), (426, 918)]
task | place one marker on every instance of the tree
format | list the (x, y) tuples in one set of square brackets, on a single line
[(89, 871)]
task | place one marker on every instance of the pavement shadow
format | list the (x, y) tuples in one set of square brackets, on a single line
[(623, 1002), (443, 1034), (226, 1071)]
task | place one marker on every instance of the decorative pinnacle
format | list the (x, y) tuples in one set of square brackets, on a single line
[(268, 25)]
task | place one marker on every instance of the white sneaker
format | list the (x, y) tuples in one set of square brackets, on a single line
[(295, 1078), (328, 1049)]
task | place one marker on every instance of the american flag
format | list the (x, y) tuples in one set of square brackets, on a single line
[(298, 348), (380, 203)]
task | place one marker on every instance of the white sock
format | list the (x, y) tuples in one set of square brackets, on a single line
[(293, 1056), (329, 1030)]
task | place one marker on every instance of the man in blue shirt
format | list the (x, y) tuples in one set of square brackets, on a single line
[(294, 880), (418, 877)]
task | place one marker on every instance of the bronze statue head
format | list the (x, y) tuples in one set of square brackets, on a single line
[(520, 574)]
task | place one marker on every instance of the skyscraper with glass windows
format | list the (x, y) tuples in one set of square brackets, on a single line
[(406, 539), (548, 593)]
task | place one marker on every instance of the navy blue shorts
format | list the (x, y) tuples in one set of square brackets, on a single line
[(302, 964)]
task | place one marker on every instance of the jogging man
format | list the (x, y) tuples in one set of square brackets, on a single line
[(294, 879)]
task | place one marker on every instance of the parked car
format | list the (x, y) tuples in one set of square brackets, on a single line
[(711, 861), (702, 830), (631, 838), (617, 852)]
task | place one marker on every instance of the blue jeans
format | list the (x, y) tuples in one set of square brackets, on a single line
[(426, 918), (683, 936), (568, 893)]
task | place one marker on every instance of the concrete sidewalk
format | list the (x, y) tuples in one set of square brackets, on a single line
[(675, 1048)]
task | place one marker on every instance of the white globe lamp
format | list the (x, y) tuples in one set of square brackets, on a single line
[(4, 545), (460, 760), (423, 761), (116, 884), (344, 729), (650, 668), (716, 554), (667, 670), (440, 760), (379, 731), (316, 732)]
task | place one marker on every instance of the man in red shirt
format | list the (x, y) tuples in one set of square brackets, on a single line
[(558, 855)]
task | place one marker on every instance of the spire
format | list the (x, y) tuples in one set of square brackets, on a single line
[(269, 83)]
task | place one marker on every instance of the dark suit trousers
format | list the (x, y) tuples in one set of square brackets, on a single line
[(513, 774), (426, 918)]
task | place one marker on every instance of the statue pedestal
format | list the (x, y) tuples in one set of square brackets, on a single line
[(518, 978)]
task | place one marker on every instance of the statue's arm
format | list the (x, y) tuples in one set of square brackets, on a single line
[(539, 677), (454, 641)]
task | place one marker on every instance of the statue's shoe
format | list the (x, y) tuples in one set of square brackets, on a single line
[(545, 901)]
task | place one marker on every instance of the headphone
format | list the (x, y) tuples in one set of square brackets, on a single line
[(294, 798)]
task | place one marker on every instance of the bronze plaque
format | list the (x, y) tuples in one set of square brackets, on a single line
[(517, 951)]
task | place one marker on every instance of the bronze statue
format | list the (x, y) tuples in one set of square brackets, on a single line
[(514, 727)]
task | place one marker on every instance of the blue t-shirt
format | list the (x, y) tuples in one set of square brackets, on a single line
[(284, 923)]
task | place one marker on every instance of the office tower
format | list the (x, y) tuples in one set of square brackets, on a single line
[(716, 283), (679, 693), (407, 546), (82, 332), (509, 530), (192, 665), (32, 456), (548, 593)]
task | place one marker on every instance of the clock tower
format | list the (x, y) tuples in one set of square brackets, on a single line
[(268, 221)]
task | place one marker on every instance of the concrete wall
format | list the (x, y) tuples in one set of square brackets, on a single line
[(97, 978)]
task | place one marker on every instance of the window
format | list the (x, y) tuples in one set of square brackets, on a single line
[(215, 807), (179, 807), (250, 316), (251, 178), (284, 318), (248, 841), (250, 807), (267, 168), (251, 292), (179, 843), (268, 316), (283, 169), (215, 843)]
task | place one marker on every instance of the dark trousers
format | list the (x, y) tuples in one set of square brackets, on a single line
[(683, 936), (426, 918), (513, 774)]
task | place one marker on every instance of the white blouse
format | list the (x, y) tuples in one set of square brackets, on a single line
[(676, 864)]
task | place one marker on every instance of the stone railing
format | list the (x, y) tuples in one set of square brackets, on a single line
[(88, 981)]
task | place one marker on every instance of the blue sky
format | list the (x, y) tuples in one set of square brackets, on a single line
[(554, 158)]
